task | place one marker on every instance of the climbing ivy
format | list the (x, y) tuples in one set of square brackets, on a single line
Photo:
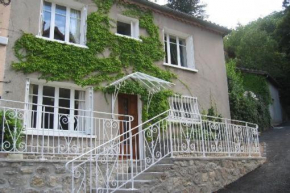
[(107, 58), (244, 106)]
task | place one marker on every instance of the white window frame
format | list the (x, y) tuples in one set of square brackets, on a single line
[(189, 50), (134, 23), (56, 131), (83, 25)]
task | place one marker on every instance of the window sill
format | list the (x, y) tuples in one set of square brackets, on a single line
[(129, 37), (179, 67), (62, 42), (57, 133)]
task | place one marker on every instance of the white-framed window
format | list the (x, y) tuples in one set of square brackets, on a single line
[(63, 23), (58, 108), (128, 27), (179, 51)]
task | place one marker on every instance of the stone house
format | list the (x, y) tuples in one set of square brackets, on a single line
[(111, 82)]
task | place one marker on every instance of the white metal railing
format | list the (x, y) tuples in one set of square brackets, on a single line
[(115, 164), (36, 129)]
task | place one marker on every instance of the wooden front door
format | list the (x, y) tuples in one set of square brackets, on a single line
[(128, 105)]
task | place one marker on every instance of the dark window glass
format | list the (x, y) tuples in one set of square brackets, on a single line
[(124, 28)]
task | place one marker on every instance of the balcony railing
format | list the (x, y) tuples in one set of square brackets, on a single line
[(48, 131)]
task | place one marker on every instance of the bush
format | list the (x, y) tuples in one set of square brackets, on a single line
[(11, 130)]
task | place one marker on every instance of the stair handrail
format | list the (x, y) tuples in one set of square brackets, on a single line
[(211, 130)]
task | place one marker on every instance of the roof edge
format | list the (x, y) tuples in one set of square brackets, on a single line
[(180, 16), (260, 73)]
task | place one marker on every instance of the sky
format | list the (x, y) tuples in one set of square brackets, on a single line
[(229, 13)]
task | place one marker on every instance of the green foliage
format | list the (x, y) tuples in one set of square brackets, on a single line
[(191, 7), (12, 128), (61, 62), (107, 58), (255, 46), (264, 45), (258, 85), (246, 107), (283, 38), (212, 112)]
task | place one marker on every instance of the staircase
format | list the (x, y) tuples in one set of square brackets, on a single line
[(116, 166)]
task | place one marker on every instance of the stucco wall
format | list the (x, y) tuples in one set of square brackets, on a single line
[(208, 83), (275, 107), (4, 25)]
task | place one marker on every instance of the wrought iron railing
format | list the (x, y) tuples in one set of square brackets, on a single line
[(115, 164), (47, 131)]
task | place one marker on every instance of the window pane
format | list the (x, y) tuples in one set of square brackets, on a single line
[(173, 53), (34, 89), (75, 26), (46, 20), (64, 93), (48, 91), (183, 54), (124, 28), (172, 39), (181, 42), (60, 20)]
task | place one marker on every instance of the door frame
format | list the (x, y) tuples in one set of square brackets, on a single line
[(114, 109)]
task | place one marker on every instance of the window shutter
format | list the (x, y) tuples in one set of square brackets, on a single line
[(190, 53), (40, 18), (84, 25)]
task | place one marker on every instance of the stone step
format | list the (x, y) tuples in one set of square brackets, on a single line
[(144, 176), (120, 191)]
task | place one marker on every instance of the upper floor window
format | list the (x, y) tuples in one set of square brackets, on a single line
[(127, 26), (179, 51), (63, 23)]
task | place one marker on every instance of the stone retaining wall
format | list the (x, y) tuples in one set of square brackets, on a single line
[(185, 175), (202, 175)]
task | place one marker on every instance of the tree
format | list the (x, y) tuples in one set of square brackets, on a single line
[(265, 45), (286, 3), (191, 7)]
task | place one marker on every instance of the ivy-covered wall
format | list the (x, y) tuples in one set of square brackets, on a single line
[(105, 60), (60, 62), (90, 67), (244, 105)]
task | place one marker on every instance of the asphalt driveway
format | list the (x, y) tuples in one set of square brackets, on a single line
[(274, 175)]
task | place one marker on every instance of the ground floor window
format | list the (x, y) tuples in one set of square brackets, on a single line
[(57, 108)]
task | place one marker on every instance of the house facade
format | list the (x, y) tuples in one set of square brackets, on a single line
[(108, 86), (197, 59)]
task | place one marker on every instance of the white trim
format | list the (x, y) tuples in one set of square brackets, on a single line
[(140, 115), (55, 131), (134, 23), (180, 67), (190, 59), (67, 85), (129, 37), (83, 14), (62, 42), (58, 133)]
